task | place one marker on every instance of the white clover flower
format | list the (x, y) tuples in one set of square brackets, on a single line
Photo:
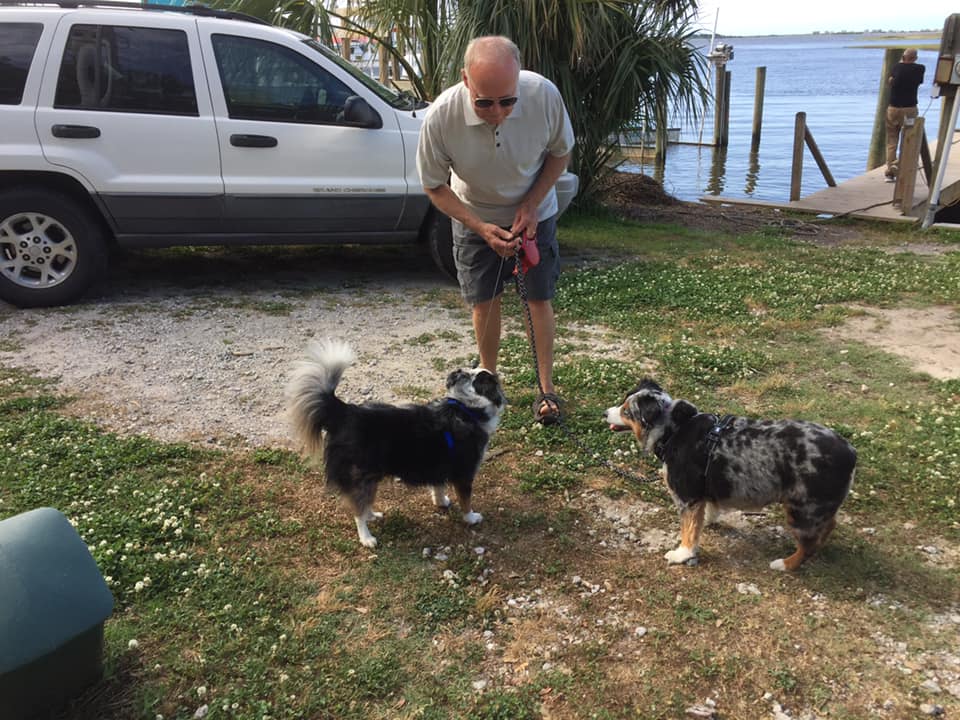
[(133, 644), (138, 587), (202, 691)]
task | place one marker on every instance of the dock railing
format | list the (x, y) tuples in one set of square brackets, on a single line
[(914, 156), (801, 135)]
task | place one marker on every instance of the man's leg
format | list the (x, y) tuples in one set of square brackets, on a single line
[(544, 331), (894, 123), (486, 327)]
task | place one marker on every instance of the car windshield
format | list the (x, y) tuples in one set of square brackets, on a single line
[(399, 99)]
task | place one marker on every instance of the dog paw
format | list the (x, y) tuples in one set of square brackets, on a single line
[(374, 515), (472, 518), (680, 555), (778, 564), (368, 542)]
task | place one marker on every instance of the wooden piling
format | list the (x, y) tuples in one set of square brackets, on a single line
[(909, 166), (718, 95), (878, 139), (726, 108), (796, 167), (758, 108)]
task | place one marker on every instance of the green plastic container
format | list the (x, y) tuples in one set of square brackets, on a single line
[(53, 603)]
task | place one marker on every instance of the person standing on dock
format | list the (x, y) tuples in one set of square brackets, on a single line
[(906, 77)]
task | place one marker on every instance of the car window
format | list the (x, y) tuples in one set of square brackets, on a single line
[(265, 81), (18, 42), (399, 100), (127, 69)]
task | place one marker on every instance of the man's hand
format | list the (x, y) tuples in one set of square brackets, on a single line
[(503, 242), (525, 221)]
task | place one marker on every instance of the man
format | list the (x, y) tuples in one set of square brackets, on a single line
[(906, 77), (503, 137)]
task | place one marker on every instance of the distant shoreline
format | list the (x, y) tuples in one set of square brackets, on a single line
[(875, 34)]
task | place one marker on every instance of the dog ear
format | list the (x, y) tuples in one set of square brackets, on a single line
[(681, 411), (487, 385), (648, 384)]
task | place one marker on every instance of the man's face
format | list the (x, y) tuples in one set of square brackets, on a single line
[(495, 87)]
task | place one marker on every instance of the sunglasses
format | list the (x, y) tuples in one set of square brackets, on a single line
[(488, 102)]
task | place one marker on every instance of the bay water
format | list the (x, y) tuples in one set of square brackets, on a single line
[(834, 79)]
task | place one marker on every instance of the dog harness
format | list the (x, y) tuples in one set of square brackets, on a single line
[(713, 437), (447, 435)]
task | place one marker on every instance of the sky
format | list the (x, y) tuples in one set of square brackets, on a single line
[(766, 17)]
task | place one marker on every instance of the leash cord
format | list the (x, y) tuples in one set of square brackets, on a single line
[(571, 436)]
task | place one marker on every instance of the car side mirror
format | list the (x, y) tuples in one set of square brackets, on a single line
[(357, 111)]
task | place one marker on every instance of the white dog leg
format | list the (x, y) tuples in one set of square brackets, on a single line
[(711, 514), (691, 523), (373, 515), (366, 539), (440, 498), (472, 518)]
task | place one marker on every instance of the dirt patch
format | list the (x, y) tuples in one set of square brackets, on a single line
[(639, 197), (929, 338)]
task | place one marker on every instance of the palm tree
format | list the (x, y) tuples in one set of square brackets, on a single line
[(310, 18), (420, 27), (616, 63)]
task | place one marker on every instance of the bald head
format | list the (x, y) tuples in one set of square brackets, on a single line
[(491, 51), (910, 55)]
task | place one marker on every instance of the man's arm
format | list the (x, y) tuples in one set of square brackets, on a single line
[(501, 241), (526, 217)]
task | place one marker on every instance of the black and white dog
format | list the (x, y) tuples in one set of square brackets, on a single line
[(737, 463), (431, 445)]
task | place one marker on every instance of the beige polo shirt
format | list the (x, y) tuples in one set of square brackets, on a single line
[(492, 168)]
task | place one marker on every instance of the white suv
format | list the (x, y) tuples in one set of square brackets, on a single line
[(150, 127)]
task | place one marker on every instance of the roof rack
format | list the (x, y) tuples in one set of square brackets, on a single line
[(197, 9)]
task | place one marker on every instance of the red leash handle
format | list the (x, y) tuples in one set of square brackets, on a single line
[(528, 252)]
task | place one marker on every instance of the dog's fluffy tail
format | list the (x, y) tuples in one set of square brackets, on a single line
[(310, 393)]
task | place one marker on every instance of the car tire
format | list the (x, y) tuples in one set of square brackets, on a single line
[(440, 241), (52, 249)]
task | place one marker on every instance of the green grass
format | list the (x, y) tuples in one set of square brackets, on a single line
[(246, 590)]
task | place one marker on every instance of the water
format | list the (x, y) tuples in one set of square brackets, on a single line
[(823, 75)]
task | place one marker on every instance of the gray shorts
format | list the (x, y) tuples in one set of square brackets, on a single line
[(482, 273)]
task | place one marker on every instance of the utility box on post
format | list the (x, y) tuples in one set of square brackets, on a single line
[(53, 603), (948, 60)]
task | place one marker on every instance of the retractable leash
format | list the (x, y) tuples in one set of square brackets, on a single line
[(526, 259)]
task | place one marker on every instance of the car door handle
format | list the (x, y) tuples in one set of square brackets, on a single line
[(75, 131), (253, 141)]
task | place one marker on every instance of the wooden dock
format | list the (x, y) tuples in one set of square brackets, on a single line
[(866, 196)]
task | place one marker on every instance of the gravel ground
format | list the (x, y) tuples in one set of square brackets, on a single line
[(171, 350)]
